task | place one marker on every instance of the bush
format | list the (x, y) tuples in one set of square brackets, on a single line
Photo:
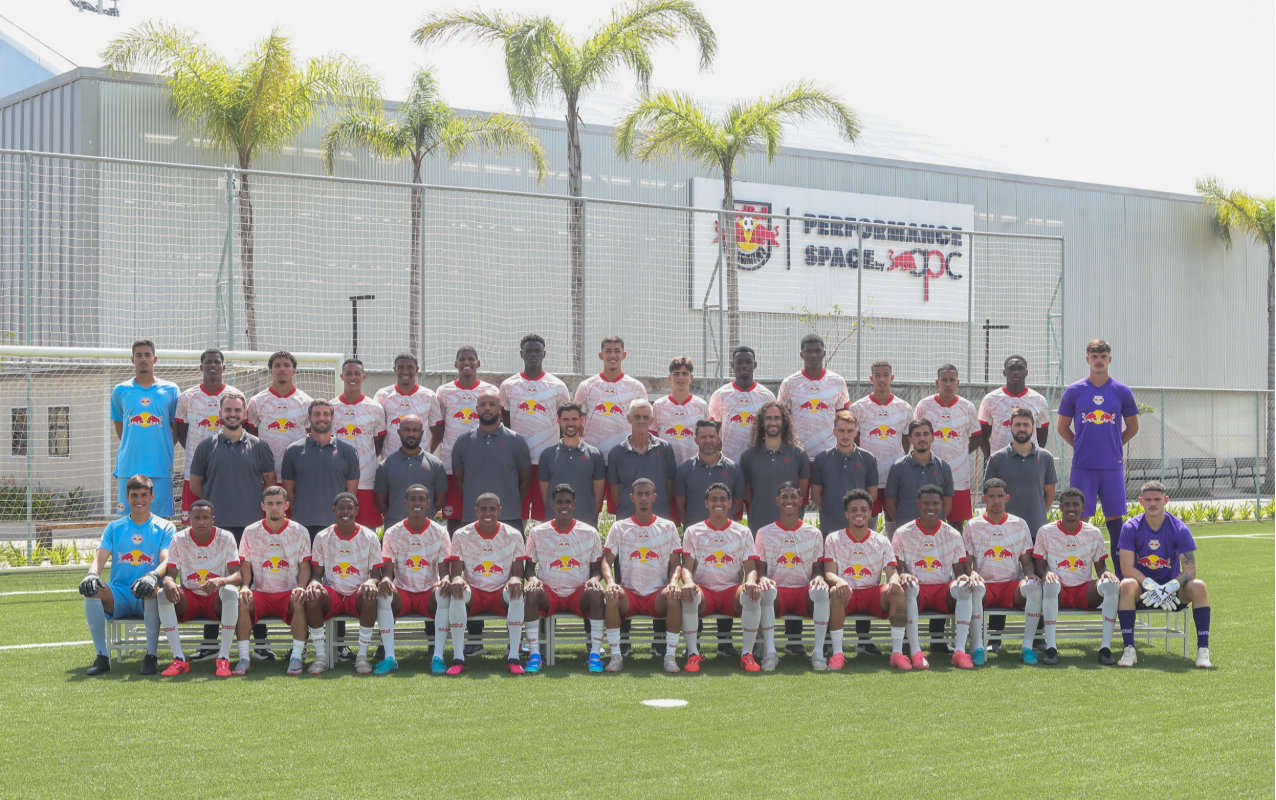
[(45, 505)]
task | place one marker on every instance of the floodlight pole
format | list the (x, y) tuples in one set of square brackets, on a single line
[(26, 339), (988, 329), (354, 321)]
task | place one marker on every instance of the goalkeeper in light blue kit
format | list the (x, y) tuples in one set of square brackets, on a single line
[(1158, 562), (137, 546)]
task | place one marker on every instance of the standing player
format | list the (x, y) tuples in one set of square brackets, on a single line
[(676, 413), (1000, 549), (404, 397), (279, 415), (415, 555), (575, 462), (995, 408), (883, 419), (738, 404), (606, 398), (791, 552), (198, 415), (142, 411), (956, 436), (812, 396), (529, 403), (458, 403), (360, 422), (1097, 405)]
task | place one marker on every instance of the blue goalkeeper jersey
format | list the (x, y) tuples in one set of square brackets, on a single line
[(146, 444), (135, 549)]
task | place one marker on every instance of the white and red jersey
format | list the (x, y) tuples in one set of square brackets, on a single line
[(606, 405), (279, 420), (789, 555), (201, 411), (719, 554), (275, 558), (397, 405), (676, 423), (1071, 556), (533, 409), (488, 560), (737, 410), (417, 556), (995, 547), (812, 402), (930, 555), (881, 427), (346, 563), (459, 407), (360, 423), (954, 425), (197, 563), (563, 558), (995, 408), (643, 552), (861, 564)]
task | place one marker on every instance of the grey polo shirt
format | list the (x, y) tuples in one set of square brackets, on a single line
[(626, 465), (764, 471), (693, 479), (321, 472), (491, 462), (398, 472), (578, 467), (907, 475), (1026, 478), (838, 474), (232, 476)]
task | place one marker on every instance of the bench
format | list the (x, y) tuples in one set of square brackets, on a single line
[(1202, 469), (1247, 467), (1076, 624), (1138, 470)]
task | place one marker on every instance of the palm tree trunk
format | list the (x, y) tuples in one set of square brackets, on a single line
[(576, 236), (416, 279), (730, 275), (246, 256), (1270, 454)]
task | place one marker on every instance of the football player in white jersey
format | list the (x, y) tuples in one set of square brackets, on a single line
[(405, 397), (529, 407), (675, 414)]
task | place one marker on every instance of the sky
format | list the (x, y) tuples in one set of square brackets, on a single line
[(1135, 94)]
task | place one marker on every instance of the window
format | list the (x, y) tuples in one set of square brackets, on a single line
[(21, 435), (59, 431)]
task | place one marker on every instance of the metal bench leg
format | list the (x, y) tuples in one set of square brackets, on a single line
[(550, 622)]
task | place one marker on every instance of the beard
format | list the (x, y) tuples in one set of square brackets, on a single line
[(1022, 438), (410, 442), (488, 419)]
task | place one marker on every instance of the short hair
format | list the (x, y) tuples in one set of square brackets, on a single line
[(811, 338), (708, 423), (409, 357), (638, 402), (946, 368), (1019, 411), (779, 490), (350, 361), (201, 504), (233, 394), (139, 482), (270, 363), (857, 494), (1098, 346), (420, 486), (995, 483), (487, 496), (212, 351), (142, 343), (1072, 491), (930, 488), (917, 423), (467, 348), (531, 337), (642, 482), (720, 486), (345, 496), (881, 362), (743, 349), (1014, 357), (682, 362), (318, 401), (272, 491), (561, 488), (1154, 486), (570, 405), (612, 339), (846, 415)]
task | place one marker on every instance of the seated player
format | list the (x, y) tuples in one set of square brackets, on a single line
[(204, 560), (348, 557), (932, 551), (138, 548), (415, 555), (717, 554), (274, 559), (1158, 566), (1000, 549), (855, 561), (790, 551), (563, 572), (1064, 554), (488, 559), (648, 549)]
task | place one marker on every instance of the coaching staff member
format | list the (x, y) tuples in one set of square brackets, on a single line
[(318, 468)]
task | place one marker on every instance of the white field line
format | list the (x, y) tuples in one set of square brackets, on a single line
[(42, 591), (41, 644)]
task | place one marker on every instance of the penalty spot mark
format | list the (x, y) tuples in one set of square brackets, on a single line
[(665, 703)]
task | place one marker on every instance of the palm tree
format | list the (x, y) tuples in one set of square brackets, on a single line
[(669, 123), (1253, 216), (543, 62), (425, 125), (250, 108)]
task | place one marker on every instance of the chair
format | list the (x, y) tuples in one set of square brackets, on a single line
[(1202, 469)]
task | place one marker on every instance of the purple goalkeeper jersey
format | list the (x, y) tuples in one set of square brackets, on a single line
[(1097, 413), (1156, 553)]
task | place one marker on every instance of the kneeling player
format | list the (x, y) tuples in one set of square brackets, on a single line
[(1064, 554), (205, 562), (415, 553), (563, 572), (791, 552), (1158, 564), (717, 554), (648, 548), (274, 557), (855, 560), (1000, 550), (933, 551)]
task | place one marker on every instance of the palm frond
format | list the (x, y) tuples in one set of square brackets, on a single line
[(643, 25), (668, 123), (762, 121), (357, 129), (496, 133), (1236, 209)]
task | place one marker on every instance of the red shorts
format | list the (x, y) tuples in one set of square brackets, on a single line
[(416, 602), (644, 604), (533, 505), (198, 606), (451, 508), (1074, 597), (369, 517), (867, 601), (1001, 595), (569, 604), (933, 597), (272, 604), (962, 509), (341, 604), (720, 601), (791, 600), (611, 501), (482, 602), (188, 498), (880, 502)]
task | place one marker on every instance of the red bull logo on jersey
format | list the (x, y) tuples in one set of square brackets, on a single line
[(275, 564), (998, 554), (533, 407), (416, 563), (815, 405), (564, 563), (1153, 561), (1072, 564), (146, 419), (209, 424), (394, 423), (488, 569), (1098, 417), (281, 425), (678, 432), (466, 415), (348, 431), (135, 557), (857, 571), (929, 564), (718, 559), (946, 435), (789, 560), (610, 409), (345, 570), (744, 418), (882, 432), (644, 554), (201, 576)]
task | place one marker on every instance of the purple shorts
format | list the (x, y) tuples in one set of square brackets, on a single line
[(1105, 485)]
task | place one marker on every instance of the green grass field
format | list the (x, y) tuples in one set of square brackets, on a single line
[(1163, 729)]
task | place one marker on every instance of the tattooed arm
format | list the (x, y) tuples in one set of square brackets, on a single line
[(1188, 564)]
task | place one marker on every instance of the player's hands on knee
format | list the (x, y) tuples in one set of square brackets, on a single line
[(688, 593), (908, 580), (672, 592), (307, 593), (1108, 577), (976, 579), (144, 587), (613, 591), (1050, 577), (385, 587), (591, 585), (841, 593), (172, 592), (962, 581), (91, 584), (818, 584), (766, 583), (753, 590), (515, 586), (368, 591)]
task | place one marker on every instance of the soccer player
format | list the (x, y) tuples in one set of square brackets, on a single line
[(676, 413), (492, 459), (563, 574), (996, 407), (198, 415), (883, 419), (488, 559), (790, 551), (717, 555), (1097, 405), (360, 421), (737, 404), (606, 398), (348, 556), (1000, 549), (406, 467), (856, 559), (812, 395), (642, 455), (1064, 554), (956, 435), (138, 548), (405, 397), (529, 402), (279, 415), (706, 467), (575, 462), (415, 552), (274, 557), (1158, 560), (201, 582), (458, 401), (142, 411), (933, 551), (648, 547), (318, 467)]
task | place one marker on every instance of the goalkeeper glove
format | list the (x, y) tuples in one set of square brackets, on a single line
[(144, 586), (1171, 590), (91, 585)]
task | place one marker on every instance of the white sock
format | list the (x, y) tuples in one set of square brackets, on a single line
[(299, 647), (385, 624), (820, 617), (613, 640), (230, 615), (1111, 594), (243, 650), (977, 616), (691, 626), (596, 629), (459, 616), (365, 640), (897, 639), (750, 620), (168, 621), (768, 621), (963, 611), (533, 631), (1031, 613), (910, 609), (316, 636), (671, 642), (1050, 609), (514, 620), (442, 623), (838, 639)]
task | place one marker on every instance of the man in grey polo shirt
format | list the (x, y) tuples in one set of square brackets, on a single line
[(840, 469), (642, 455), (408, 466), (774, 457), (232, 469), (492, 458), (575, 462), (318, 468), (708, 466), (913, 471), (1028, 471)]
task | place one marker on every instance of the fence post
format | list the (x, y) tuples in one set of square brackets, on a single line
[(859, 306), (230, 258), (1258, 456), (28, 290), (722, 301), (970, 303), (1162, 415), (584, 272)]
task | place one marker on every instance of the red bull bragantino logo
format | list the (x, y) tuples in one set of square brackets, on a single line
[(1072, 564), (275, 564), (815, 405), (348, 431), (753, 238), (135, 557), (210, 424), (146, 419), (201, 576), (1098, 417), (533, 407), (610, 409), (644, 554), (998, 553), (564, 563), (928, 564), (1153, 561), (789, 560), (882, 432), (946, 435), (344, 570), (416, 563), (743, 418), (858, 571), (466, 415), (678, 432), (718, 559), (488, 569), (281, 425)]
